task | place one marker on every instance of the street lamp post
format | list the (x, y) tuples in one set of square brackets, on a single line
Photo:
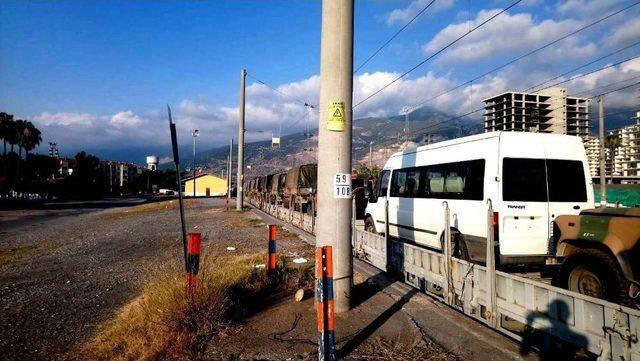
[(194, 134)]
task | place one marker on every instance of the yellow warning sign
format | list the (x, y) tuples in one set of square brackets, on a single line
[(336, 119)]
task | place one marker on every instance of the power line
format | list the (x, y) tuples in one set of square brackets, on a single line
[(587, 73), (394, 36), (438, 52), (298, 100), (583, 66), (512, 61), (574, 78), (610, 84), (429, 126)]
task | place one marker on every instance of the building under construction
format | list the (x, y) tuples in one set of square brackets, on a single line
[(549, 111)]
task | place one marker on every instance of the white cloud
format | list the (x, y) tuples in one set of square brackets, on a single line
[(126, 119), (403, 15), (65, 119), (588, 7), (627, 32), (509, 34)]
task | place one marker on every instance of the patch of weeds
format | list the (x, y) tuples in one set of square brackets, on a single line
[(163, 322), (146, 208), (247, 222)]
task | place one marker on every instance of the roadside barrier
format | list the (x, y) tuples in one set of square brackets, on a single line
[(193, 260), (272, 258), (324, 303)]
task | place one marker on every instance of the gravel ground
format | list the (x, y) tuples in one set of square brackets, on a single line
[(62, 275)]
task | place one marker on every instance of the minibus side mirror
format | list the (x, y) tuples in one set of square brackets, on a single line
[(370, 192)]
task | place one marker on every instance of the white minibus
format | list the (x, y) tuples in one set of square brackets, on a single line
[(530, 178)]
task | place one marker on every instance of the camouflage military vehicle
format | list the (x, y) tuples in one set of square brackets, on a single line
[(600, 253)]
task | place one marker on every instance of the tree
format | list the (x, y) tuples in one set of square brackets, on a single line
[(19, 130), (31, 138), (367, 173), (612, 142), (6, 121)]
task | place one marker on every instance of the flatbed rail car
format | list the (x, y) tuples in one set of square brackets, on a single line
[(514, 305)]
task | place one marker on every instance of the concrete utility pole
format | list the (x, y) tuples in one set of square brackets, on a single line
[(229, 168), (370, 152), (240, 177), (334, 143), (603, 176), (406, 124)]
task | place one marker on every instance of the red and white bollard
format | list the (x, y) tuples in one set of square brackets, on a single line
[(272, 258), (193, 260)]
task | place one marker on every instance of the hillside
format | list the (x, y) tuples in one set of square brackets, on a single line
[(386, 133)]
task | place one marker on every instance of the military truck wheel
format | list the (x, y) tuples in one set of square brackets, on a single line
[(369, 226), (594, 273)]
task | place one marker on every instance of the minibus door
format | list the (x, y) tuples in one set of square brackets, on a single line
[(523, 218)]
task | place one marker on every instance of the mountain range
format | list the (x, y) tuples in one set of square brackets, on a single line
[(387, 135)]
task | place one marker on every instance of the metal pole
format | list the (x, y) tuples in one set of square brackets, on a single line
[(194, 164), (334, 142), (240, 176), (603, 176), (176, 160), (370, 159), (491, 306), (446, 253)]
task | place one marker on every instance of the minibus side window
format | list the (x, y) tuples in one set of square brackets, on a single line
[(525, 180), (383, 185), (398, 183)]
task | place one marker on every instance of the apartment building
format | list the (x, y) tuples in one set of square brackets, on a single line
[(549, 111), (621, 161)]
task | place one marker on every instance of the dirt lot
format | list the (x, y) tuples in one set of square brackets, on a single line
[(65, 273)]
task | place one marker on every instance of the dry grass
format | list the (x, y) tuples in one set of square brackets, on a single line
[(164, 323), (245, 222), (146, 208), (387, 349), (13, 253)]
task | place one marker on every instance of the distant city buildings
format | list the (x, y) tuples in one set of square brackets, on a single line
[(552, 111), (549, 111)]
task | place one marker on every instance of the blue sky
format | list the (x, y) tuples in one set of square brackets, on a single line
[(97, 74)]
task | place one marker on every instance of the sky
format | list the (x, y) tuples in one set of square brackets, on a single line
[(98, 75)]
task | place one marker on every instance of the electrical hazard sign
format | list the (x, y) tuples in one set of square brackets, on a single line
[(336, 121)]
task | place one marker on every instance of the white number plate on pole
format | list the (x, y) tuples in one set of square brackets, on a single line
[(342, 185)]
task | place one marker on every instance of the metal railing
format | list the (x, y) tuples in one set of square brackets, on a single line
[(511, 304)]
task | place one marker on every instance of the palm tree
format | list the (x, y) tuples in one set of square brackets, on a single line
[(612, 142), (12, 134), (21, 125), (5, 126), (31, 138)]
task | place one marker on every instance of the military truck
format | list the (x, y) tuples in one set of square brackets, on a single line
[(598, 252), (301, 184)]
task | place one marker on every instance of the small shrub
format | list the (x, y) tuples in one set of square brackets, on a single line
[(163, 322)]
